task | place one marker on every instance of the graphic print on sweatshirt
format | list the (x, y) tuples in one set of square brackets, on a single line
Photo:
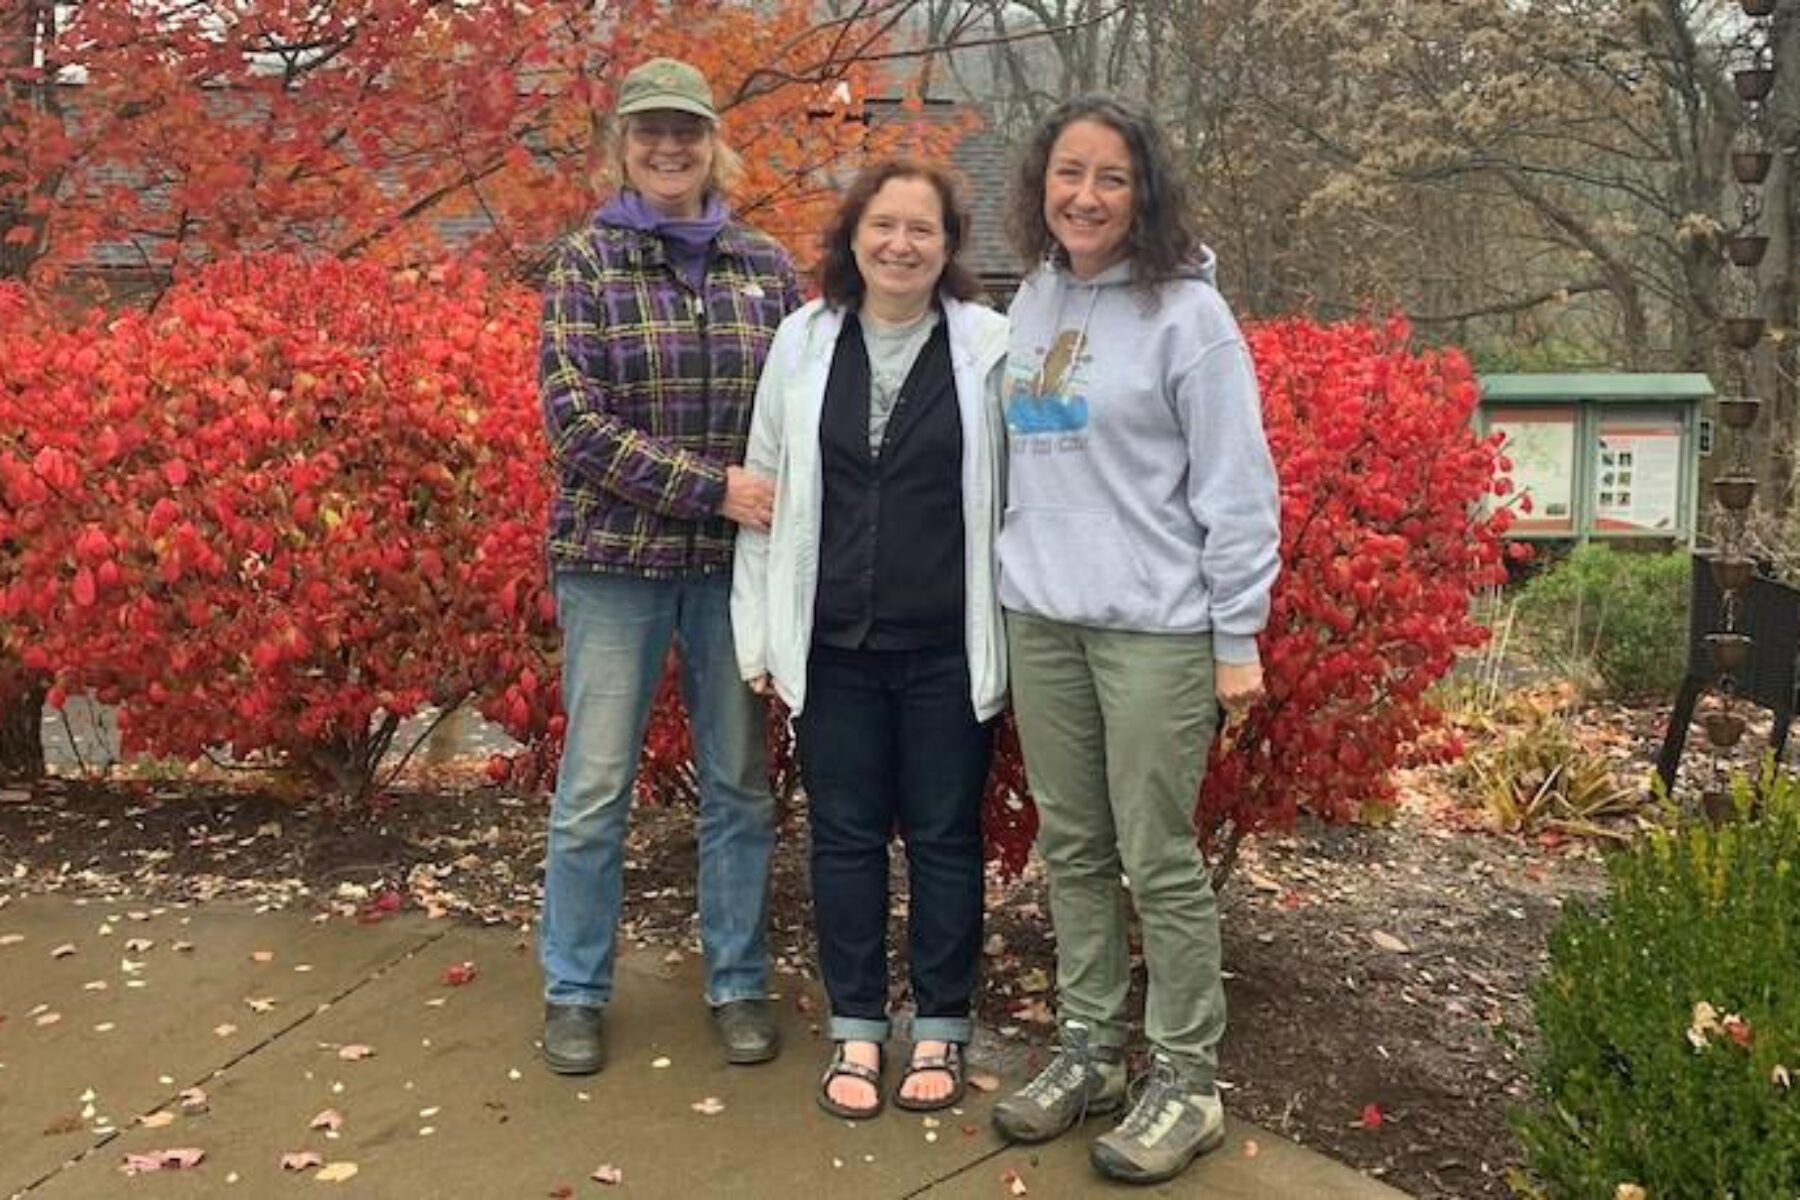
[(1044, 402)]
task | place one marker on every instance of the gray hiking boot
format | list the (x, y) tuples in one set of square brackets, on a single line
[(1080, 1081), (1173, 1123)]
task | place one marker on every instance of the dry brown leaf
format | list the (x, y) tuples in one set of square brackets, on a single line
[(356, 1052), (139, 945), (981, 1081), (331, 1120), (179, 1159), (608, 1174), (225, 1030), (1014, 1185), (63, 951), (49, 1018), (157, 1120), (336, 1172), (260, 1004), (193, 1100), (302, 1160), (1389, 942)]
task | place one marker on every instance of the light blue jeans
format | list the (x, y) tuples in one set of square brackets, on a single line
[(616, 635)]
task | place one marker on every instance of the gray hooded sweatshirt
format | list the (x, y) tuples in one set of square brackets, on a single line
[(1140, 491)]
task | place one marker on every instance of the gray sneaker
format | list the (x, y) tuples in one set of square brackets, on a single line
[(1081, 1081), (1172, 1124)]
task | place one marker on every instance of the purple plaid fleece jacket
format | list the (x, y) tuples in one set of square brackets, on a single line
[(647, 386)]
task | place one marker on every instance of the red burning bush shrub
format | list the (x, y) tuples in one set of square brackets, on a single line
[(292, 506)]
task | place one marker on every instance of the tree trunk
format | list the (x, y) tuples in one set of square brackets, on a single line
[(21, 724)]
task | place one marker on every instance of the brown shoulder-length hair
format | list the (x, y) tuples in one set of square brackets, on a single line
[(839, 280), (1162, 239)]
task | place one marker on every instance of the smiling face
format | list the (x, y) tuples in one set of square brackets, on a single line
[(1088, 195), (900, 244), (668, 160)]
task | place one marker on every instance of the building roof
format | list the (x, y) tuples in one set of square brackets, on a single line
[(1599, 385)]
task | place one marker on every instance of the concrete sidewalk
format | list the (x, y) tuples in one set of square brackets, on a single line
[(109, 1010)]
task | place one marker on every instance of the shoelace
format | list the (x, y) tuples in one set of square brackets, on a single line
[(1152, 1093), (1066, 1072)]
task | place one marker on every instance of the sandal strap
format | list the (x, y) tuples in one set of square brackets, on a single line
[(951, 1061), (842, 1066)]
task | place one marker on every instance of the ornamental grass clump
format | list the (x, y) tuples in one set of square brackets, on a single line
[(1669, 1022)]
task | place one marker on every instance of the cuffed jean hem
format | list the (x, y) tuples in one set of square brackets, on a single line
[(856, 1029), (943, 1029), (734, 994), (558, 995)]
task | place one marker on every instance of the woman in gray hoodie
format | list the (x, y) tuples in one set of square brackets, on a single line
[(1138, 549)]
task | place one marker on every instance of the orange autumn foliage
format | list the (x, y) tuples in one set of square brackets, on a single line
[(389, 128)]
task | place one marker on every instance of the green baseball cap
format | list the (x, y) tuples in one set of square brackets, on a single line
[(665, 83)]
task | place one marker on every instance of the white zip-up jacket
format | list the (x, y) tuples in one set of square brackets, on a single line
[(776, 574)]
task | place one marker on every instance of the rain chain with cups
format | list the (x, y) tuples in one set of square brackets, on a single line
[(1732, 567)]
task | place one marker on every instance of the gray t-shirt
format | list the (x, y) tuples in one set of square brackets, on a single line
[(892, 351)]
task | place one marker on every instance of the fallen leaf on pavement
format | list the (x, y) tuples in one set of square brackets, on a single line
[(225, 1030), (1251, 1149), (712, 1106), (459, 974), (49, 1018), (561, 1191), (336, 1172), (356, 1052), (331, 1119), (138, 945), (609, 1174), (1013, 1183), (302, 1160), (981, 1081), (262, 956), (163, 1160), (1371, 1116), (260, 1004), (11, 939), (193, 1100), (63, 951), (660, 1063), (157, 1120)]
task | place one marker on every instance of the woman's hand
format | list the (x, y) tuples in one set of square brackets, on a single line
[(762, 685), (749, 498), (1238, 686)]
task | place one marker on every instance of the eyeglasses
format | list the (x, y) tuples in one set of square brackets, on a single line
[(648, 131)]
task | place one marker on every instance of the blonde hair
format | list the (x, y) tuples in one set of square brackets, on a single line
[(607, 157)]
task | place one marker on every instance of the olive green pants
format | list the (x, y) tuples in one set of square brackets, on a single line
[(1115, 727)]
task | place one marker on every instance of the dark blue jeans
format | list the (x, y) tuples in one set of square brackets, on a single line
[(889, 739)]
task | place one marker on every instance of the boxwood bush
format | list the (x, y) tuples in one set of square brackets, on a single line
[(1669, 1021)]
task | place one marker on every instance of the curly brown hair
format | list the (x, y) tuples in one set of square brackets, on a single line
[(1162, 240), (841, 282)]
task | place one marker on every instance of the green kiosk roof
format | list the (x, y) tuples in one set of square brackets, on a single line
[(1599, 385)]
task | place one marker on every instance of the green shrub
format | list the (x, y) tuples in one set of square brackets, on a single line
[(1621, 615), (1636, 1082)]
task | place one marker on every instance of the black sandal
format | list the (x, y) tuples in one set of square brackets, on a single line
[(950, 1062), (840, 1067)]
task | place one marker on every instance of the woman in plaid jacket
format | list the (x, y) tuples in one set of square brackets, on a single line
[(657, 318)]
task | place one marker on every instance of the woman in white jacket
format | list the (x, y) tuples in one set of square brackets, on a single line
[(870, 608)]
